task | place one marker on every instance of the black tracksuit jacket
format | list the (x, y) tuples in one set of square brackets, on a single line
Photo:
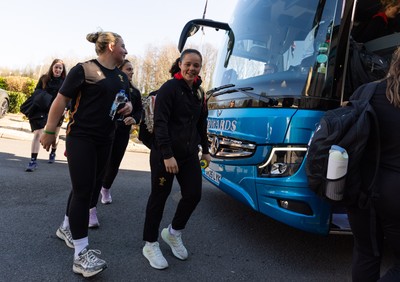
[(180, 120)]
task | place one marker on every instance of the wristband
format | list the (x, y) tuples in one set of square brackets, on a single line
[(49, 132)]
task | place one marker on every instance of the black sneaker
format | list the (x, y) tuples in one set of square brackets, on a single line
[(31, 166), (88, 264), (52, 158)]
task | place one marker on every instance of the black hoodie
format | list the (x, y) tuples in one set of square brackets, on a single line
[(180, 119)]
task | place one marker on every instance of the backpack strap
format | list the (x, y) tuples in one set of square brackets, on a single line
[(202, 96)]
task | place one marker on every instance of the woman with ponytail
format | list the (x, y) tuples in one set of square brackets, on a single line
[(180, 126)]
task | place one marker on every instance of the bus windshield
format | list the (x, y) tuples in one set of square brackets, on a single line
[(282, 50)]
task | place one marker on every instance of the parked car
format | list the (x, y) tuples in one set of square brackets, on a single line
[(4, 102)]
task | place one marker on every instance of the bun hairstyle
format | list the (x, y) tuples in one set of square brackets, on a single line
[(101, 39)]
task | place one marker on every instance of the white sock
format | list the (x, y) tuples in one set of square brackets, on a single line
[(173, 231), (80, 244), (65, 223)]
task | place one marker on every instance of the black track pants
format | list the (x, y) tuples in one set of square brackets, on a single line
[(190, 181), (366, 266), (120, 142)]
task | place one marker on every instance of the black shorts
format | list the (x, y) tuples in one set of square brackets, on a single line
[(40, 123)]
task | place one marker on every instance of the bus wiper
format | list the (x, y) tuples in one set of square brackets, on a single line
[(269, 101), (239, 89), (216, 89)]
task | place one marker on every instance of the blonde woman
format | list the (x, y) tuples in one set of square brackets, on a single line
[(92, 88)]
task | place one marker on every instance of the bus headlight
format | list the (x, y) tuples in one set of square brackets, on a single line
[(283, 161)]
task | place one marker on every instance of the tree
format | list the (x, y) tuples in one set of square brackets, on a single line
[(209, 54), (150, 71)]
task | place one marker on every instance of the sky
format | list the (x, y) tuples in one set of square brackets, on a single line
[(35, 31)]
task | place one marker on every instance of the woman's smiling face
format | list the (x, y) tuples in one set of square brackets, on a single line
[(190, 67), (58, 69)]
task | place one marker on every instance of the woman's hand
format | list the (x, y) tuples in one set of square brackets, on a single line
[(127, 109), (207, 158), (171, 166), (47, 140), (129, 121)]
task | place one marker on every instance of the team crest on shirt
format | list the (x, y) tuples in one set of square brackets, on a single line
[(162, 181), (121, 78)]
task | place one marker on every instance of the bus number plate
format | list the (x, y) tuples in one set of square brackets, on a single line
[(215, 176)]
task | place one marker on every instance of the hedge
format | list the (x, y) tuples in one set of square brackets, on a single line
[(16, 100)]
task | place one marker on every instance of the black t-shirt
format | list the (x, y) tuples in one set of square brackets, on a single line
[(92, 89)]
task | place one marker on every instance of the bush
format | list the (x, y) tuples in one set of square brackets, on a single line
[(16, 100), (18, 84), (14, 83), (29, 86), (3, 83)]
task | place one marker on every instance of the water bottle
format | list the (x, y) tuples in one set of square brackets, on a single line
[(119, 102), (336, 172)]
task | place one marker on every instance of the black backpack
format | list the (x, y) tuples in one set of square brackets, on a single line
[(363, 67), (146, 134), (350, 128)]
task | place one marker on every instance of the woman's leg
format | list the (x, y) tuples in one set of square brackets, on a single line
[(365, 265), (35, 146), (388, 209), (120, 143), (161, 185), (86, 162), (190, 181), (52, 155)]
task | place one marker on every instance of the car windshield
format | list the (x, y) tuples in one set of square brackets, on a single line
[(280, 45)]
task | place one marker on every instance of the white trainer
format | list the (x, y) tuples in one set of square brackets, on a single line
[(93, 220), (88, 264), (65, 234), (176, 244), (105, 196), (152, 252)]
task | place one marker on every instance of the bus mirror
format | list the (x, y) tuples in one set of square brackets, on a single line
[(194, 25)]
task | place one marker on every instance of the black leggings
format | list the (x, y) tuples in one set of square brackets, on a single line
[(120, 142), (118, 149), (190, 181), (366, 266), (87, 160)]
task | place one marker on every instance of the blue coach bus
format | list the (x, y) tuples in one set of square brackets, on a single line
[(283, 64)]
